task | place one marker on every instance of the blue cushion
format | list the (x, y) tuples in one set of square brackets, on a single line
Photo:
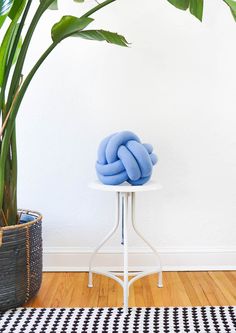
[(122, 157)]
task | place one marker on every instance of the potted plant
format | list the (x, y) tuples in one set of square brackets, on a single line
[(20, 230)]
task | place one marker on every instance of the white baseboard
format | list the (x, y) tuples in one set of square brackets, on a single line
[(76, 259)]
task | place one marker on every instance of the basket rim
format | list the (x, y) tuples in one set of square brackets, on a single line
[(38, 216)]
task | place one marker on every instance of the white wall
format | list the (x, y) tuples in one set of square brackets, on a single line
[(175, 88)]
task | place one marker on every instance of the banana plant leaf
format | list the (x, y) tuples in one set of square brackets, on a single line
[(67, 26), (180, 4), (196, 6), (102, 35), (232, 6), (16, 8)]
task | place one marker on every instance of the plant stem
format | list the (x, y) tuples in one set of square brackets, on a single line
[(13, 50), (21, 58), (7, 115), (13, 210), (96, 8)]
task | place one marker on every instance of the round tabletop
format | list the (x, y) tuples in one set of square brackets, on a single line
[(126, 187)]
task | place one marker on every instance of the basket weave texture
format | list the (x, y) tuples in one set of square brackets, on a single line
[(20, 261)]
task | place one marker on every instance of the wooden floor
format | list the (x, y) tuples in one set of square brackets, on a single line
[(180, 289)]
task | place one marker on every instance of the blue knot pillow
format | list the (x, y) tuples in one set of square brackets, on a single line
[(122, 157)]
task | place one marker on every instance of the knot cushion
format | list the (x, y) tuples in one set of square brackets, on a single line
[(122, 157)]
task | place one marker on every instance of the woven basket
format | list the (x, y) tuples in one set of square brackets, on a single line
[(20, 260)]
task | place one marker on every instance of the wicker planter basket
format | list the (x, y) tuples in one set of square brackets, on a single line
[(20, 260)]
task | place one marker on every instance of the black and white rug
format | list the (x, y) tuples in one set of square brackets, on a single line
[(113, 320)]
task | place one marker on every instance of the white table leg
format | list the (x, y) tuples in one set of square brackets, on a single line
[(160, 284), (124, 197), (108, 236)]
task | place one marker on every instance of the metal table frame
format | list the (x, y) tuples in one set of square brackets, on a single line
[(125, 208)]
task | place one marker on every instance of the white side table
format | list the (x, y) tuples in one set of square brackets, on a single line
[(125, 208)]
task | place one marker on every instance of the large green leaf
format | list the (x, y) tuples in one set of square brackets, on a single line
[(67, 26), (102, 35), (181, 4), (196, 8), (232, 5), (234, 14)]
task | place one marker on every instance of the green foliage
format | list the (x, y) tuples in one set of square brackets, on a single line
[(196, 6), (16, 9), (102, 35), (5, 49), (9, 38), (2, 20), (67, 26), (14, 49), (17, 51), (180, 4), (232, 6)]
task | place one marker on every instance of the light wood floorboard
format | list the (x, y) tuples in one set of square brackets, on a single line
[(180, 289)]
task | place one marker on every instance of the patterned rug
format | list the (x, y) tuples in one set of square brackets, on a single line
[(138, 320)]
